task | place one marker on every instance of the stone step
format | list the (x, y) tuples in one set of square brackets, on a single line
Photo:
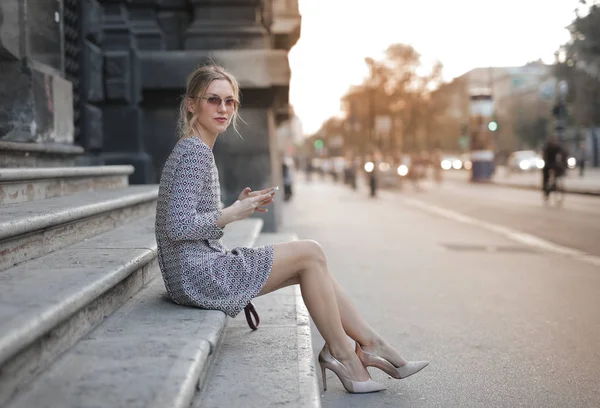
[(48, 303), (273, 366), (32, 229), (20, 154), (149, 353), (18, 185)]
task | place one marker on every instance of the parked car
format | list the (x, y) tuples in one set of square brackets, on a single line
[(524, 160), (451, 163)]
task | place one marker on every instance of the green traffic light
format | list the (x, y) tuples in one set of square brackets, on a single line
[(318, 144), (493, 126)]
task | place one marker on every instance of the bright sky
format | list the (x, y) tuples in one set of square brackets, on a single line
[(463, 34)]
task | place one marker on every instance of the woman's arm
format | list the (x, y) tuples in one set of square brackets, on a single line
[(227, 216), (186, 217)]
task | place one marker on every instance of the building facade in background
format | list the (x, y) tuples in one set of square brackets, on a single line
[(96, 82), (522, 104)]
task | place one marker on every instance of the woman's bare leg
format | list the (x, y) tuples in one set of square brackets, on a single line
[(359, 330), (353, 323), (305, 262)]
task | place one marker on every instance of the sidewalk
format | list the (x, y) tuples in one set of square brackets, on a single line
[(492, 315), (272, 366), (588, 184)]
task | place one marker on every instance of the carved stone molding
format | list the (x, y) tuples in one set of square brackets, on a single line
[(227, 24)]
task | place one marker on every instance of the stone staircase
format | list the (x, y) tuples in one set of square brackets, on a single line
[(84, 317)]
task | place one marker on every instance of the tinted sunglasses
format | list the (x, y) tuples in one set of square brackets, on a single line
[(215, 100)]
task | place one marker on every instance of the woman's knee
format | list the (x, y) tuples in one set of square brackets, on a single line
[(313, 254)]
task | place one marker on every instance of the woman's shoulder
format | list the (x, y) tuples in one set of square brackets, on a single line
[(192, 146)]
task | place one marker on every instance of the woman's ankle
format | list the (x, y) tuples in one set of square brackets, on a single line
[(372, 343), (341, 352)]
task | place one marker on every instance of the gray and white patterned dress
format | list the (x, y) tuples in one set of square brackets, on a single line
[(198, 270)]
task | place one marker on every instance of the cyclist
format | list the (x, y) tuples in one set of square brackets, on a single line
[(555, 158)]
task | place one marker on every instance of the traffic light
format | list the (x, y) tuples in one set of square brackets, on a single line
[(493, 126), (318, 144)]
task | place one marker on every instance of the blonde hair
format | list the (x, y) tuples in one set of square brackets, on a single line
[(197, 84)]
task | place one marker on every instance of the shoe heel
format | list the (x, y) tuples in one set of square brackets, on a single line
[(324, 378), (326, 360)]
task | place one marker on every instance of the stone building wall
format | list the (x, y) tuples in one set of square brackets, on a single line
[(101, 80)]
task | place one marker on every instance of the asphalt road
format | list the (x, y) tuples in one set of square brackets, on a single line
[(504, 323), (575, 225)]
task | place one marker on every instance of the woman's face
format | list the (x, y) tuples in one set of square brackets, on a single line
[(216, 107)]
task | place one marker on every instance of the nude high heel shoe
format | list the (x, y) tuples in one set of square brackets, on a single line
[(326, 360), (373, 360)]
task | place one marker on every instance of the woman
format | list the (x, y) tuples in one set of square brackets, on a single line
[(199, 271)]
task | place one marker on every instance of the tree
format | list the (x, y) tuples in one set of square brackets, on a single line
[(579, 65), (394, 88)]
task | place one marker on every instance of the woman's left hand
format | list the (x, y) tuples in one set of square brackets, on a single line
[(247, 192)]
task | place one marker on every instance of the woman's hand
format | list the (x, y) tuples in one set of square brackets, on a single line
[(250, 202), (247, 192), (242, 209)]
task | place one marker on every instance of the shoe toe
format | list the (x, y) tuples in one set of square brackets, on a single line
[(412, 367)]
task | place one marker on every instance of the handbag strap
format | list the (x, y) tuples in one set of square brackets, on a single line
[(250, 311)]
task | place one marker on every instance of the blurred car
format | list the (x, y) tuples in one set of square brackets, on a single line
[(451, 163), (524, 160), (467, 164)]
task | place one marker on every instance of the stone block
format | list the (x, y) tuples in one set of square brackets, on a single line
[(116, 28), (122, 128), (171, 4), (250, 160), (145, 29), (117, 75), (10, 32), (252, 68), (254, 132), (92, 18), (63, 110), (93, 75), (219, 35), (159, 131), (35, 105), (122, 76), (173, 24), (45, 40), (16, 103), (92, 129)]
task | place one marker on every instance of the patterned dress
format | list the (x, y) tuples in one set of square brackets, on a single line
[(198, 270)]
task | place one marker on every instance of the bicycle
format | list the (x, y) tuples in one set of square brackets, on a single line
[(556, 185)]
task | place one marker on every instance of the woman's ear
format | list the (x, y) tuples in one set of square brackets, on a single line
[(191, 105)]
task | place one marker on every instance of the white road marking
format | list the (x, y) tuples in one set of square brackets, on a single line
[(521, 237)]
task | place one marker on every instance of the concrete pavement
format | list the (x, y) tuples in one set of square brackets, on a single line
[(504, 323), (269, 367)]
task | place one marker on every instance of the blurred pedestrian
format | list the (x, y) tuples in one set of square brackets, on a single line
[(436, 163), (581, 158), (287, 178), (198, 270), (415, 171), (309, 169), (555, 159), (373, 183)]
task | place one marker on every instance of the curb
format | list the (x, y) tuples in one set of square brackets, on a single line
[(307, 373)]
